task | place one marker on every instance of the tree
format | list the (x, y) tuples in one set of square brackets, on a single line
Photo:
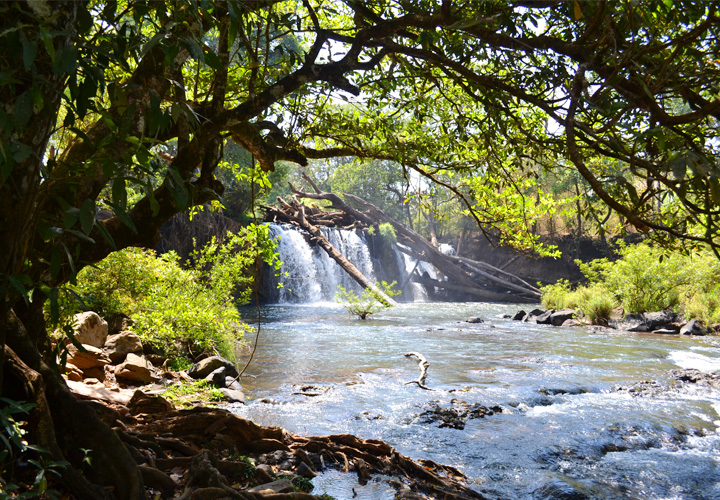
[(115, 114)]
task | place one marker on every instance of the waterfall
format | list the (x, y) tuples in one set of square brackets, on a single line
[(309, 275)]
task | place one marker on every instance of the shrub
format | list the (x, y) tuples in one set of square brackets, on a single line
[(644, 278), (368, 302), (178, 310)]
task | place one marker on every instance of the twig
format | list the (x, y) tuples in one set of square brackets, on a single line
[(423, 365)]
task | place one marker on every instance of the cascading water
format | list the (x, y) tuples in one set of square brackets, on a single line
[(309, 275)]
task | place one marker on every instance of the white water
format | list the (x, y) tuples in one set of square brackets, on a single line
[(565, 431), (310, 275)]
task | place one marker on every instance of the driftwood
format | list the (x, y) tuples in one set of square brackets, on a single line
[(423, 365)]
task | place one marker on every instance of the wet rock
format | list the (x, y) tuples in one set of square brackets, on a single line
[(558, 490), (276, 457), (118, 346), (653, 320), (233, 396), (572, 322), (474, 319), (544, 318), (637, 326), (203, 368), (90, 357), (519, 316), (693, 376), (559, 317), (665, 331), (693, 327), (90, 329), (135, 368)]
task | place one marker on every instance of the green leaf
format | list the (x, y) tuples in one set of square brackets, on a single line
[(23, 110), (55, 261), (19, 282), (123, 216), (87, 216), (29, 52), (212, 60), (196, 51)]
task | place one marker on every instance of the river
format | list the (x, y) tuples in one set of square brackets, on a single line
[(565, 423)]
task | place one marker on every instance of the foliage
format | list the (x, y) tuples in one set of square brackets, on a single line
[(186, 394), (16, 449), (644, 278), (179, 310), (368, 302)]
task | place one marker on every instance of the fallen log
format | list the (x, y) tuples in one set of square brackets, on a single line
[(477, 292), (334, 254)]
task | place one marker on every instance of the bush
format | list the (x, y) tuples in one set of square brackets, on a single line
[(181, 311), (644, 278), (368, 302)]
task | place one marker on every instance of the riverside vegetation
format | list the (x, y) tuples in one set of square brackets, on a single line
[(644, 278)]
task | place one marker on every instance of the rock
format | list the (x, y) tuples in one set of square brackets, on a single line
[(637, 326), (474, 319), (135, 368), (73, 373), (544, 318), (280, 486), (203, 368), (146, 403), (536, 312), (95, 372), (659, 318), (572, 322), (665, 331), (519, 315), (217, 377), (233, 396), (693, 327), (92, 357), (264, 474), (90, 329), (118, 323), (118, 346), (559, 317), (304, 470), (92, 381), (233, 384)]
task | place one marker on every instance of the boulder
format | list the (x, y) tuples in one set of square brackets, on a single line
[(519, 315), (135, 368), (544, 318), (233, 384), (91, 357), (637, 326), (73, 373), (653, 320), (233, 396), (217, 377), (572, 322), (118, 346), (693, 327), (205, 367), (559, 317), (264, 474), (474, 319), (90, 329)]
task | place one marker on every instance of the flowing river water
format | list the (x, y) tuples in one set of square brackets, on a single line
[(575, 412)]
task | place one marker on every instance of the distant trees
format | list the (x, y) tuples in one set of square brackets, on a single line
[(115, 115)]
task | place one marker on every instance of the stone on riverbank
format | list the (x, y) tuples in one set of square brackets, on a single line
[(118, 346), (205, 367), (89, 328)]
